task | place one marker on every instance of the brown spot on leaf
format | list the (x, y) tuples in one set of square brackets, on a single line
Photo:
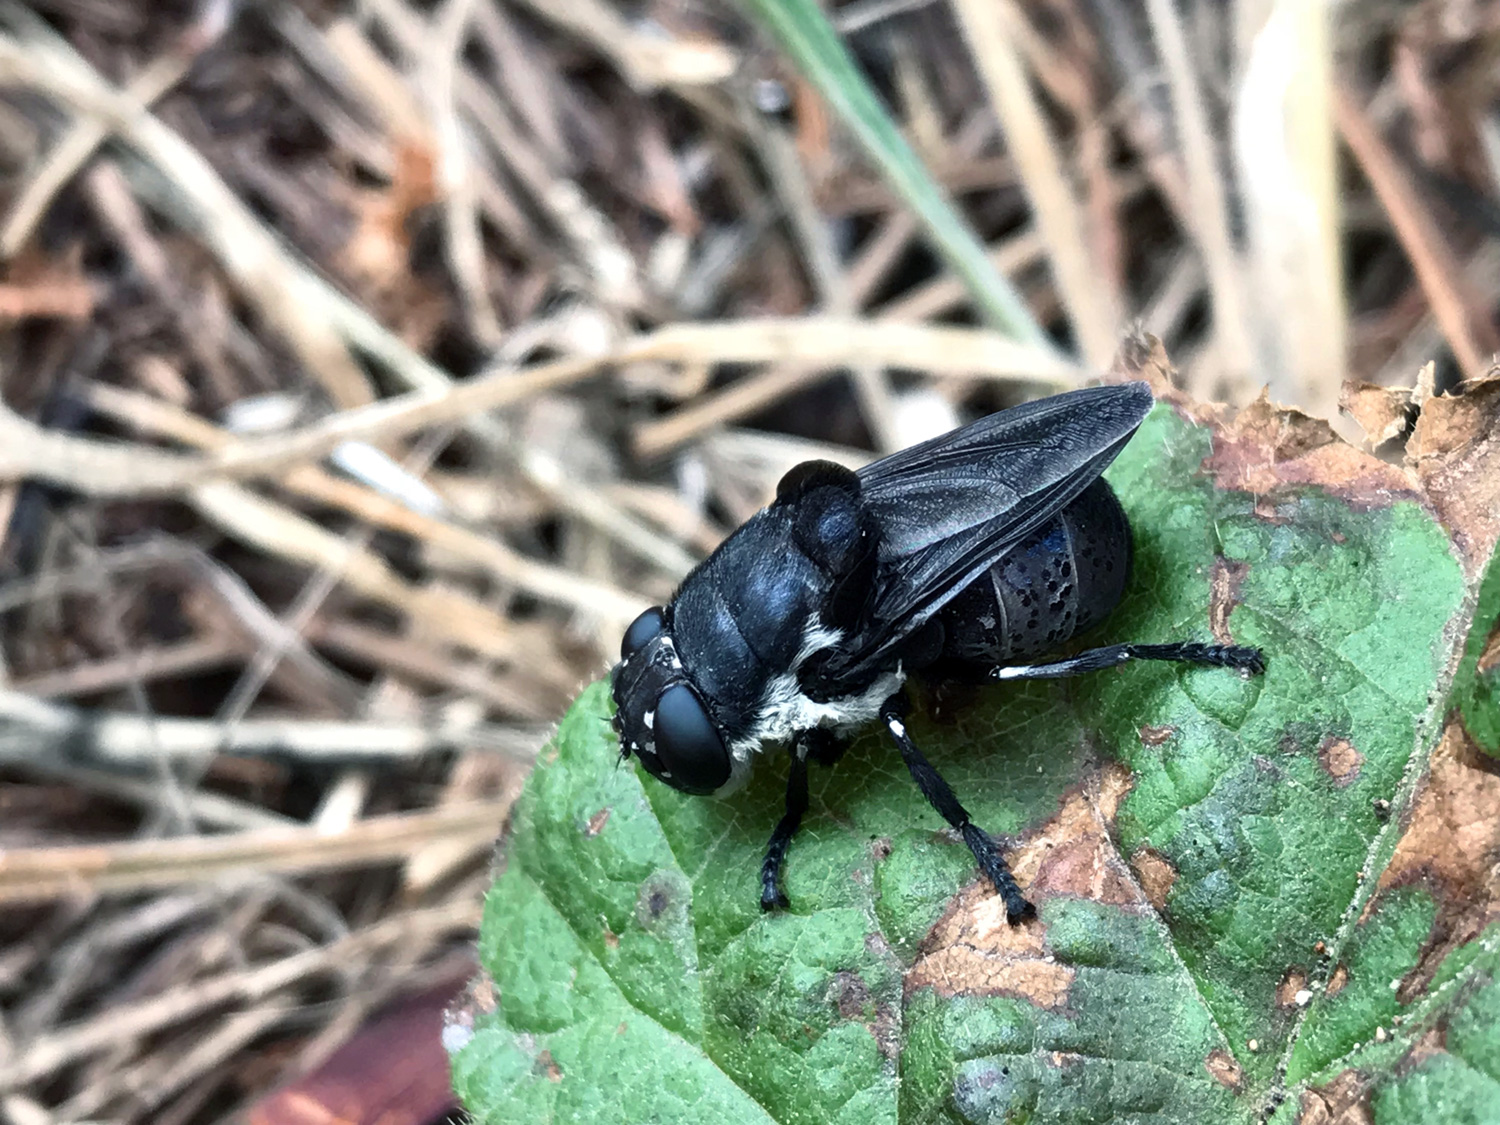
[(1337, 981), (1293, 981), (1155, 874), (479, 998), (1224, 594), (1450, 847), (546, 1064), (974, 951), (1115, 781), (1142, 356), (1339, 759), (1455, 452), (850, 994), (1073, 853), (1266, 447), (1225, 1068), (1489, 656), (1156, 736), (1344, 1101), (597, 822)]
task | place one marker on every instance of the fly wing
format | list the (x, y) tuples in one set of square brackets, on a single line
[(948, 508)]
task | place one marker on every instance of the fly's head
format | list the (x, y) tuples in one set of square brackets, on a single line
[(659, 714)]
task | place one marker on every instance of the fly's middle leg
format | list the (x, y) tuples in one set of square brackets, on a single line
[(940, 795)]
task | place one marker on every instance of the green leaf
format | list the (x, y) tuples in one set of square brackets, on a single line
[(1205, 852), (1476, 686), (806, 35)]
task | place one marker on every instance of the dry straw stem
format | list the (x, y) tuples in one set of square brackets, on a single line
[(129, 867), (450, 29), (1288, 175), (789, 181), (806, 350), (112, 469), (547, 583), (1209, 217), (72, 151), (206, 809), (249, 252), (990, 26), (197, 654), (592, 238), (646, 61), (37, 731), (128, 1023), (1462, 313), (277, 530)]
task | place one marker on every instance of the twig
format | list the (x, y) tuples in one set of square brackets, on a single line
[(105, 469), (646, 61), (989, 28), (35, 729), (259, 262), (548, 583), (205, 809), (794, 349), (194, 655), (450, 29), (1210, 217), (73, 150), (835, 294), (1461, 313), (49, 1053)]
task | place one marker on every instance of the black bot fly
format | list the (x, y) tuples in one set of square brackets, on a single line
[(964, 558)]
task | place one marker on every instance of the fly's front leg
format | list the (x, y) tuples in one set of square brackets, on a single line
[(1250, 660), (823, 748), (939, 794)]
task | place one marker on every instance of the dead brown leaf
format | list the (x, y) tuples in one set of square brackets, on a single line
[(1454, 451), (1382, 412)]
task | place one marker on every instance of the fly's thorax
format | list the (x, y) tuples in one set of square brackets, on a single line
[(791, 702)]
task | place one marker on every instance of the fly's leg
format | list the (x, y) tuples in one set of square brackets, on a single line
[(940, 795), (823, 748), (1250, 660), (771, 895)]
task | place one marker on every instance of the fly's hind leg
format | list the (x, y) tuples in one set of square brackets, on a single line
[(823, 748), (1250, 660), (940, 795)]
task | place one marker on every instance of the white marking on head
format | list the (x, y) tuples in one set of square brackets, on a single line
[(898, 728), (649, 718)]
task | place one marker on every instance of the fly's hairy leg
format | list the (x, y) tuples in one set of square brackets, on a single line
[(939, 794), (820, 746), (1250, 660)]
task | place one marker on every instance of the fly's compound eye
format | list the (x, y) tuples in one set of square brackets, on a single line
[(641, 631), (689, 748)]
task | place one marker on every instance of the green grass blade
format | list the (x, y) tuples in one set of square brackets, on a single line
[(807, 36)]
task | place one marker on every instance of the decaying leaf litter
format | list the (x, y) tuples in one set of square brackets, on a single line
[(547, 272)]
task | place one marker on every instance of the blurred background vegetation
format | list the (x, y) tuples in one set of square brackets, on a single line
[(367, 367)]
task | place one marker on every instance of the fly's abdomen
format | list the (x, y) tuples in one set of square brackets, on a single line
[(1063, 579)]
